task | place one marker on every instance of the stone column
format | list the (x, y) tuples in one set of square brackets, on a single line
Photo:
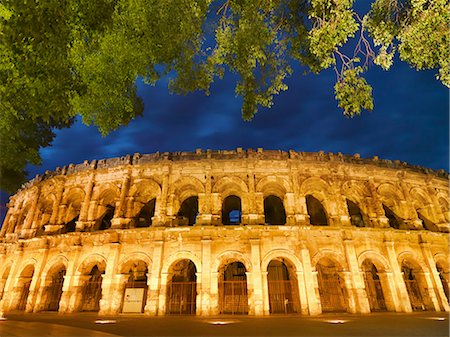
[(311, 283), (70, 283), (257, 277), (289, 206), (120, 281), (119, 220), (206, 278), (435, 280), (302, 293), (389, 291), (87, 199), (162, 207), (35, 283), (352, 305), (265, 292), (162, 293), (27, 230), (214, 292), (151, 308), (10, 284), (199, 296), (59, 195), (397, 276), (6, 222), (357, 284), (108, 279), (431, 294), (216, 209)]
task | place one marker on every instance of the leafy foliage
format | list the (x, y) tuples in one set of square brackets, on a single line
[(80, 57)]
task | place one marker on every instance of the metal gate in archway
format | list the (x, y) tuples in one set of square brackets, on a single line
[(415, 296), (181, 298), (91, 292), (54, 291), (233, 295), (331, 289), (24, 296), (282, 288), (374, 290)]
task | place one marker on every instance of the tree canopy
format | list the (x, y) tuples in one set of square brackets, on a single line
[(82, 57)]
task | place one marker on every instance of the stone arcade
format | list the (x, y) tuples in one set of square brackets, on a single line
[(235, 232)]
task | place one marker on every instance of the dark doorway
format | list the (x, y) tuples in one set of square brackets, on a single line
[(413, 287), (108, 215), (373, 287), (231, 210), (188, 211), (233, 298), (145, 215), (181, 294), (54, 290), (331, 287), (394, 220), (274, 212), (92, 291), (356, 216), (316, 212), (283, 289), (135, 292)]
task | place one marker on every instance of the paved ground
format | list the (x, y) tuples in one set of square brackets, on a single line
[(427, 324)]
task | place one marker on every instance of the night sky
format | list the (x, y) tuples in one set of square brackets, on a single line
[(410, 122)]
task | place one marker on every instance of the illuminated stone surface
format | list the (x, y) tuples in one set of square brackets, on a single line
[(304, 233)]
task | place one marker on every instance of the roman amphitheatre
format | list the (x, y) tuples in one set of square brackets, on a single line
[(253, 232)]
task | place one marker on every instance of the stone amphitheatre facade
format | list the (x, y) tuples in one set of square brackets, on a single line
[(228, 232)]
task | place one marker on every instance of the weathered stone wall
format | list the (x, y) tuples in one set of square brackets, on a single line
[(33, 245)]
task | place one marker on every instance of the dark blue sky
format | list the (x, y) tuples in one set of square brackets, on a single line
[(410, 122)]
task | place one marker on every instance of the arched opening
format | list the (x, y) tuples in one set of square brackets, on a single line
[(394, 220), (105, 221), (233, 298), (3, 281), (374, 289), (274, 213), (231, 210), (135, 292), (357, 218), (187, 215), (316, 212), (443, 276), (71, 225), (145, 215), (92, 290), (416, 286), (333, 294), (283, 288), (24, 287), (53, 291), (427, 223), (181, 293)]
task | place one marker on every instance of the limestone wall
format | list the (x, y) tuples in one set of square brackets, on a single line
[(35, 241)]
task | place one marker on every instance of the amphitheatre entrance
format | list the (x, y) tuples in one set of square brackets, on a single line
[(182, 289), (233, 297), (283, 288)]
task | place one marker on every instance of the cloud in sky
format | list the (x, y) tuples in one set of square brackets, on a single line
[(409, 122)]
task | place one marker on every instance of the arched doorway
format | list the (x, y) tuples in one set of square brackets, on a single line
[(357, 218), (231, 210), (181, 293), (187, 215), (105, 221), (24, 287), (333, 294), (54, 289), (274, 213), (316, 212), (443, 276), (145, 215), (394, 221), (417, 291), (135, 291), (92, 290), (233, 297), (3, 281), (283, 288), (374, 289)]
